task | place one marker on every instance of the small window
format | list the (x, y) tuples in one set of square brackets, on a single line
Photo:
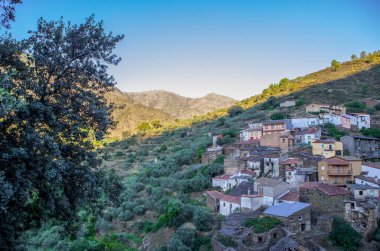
[(289, 173), (300, 218), (283, 140), (224, 204), (360, 192), (319, 195), (275, 235), (260, 239)]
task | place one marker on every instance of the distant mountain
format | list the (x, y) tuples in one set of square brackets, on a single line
[(138, 107), (179, 106)]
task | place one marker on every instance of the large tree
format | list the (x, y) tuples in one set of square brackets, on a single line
[(7, 12), (48, 166)]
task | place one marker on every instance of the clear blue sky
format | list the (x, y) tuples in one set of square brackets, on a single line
[(234, 47)]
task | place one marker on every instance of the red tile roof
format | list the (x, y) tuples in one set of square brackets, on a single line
[(291, 161), (326, 188), (230, 198), (248, 172), (373, 165), (222, 177), (215, 194), (336, 161), (310, 130), (290, 196)]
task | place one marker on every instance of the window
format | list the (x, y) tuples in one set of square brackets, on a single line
[(283, 140), (224, 204), (319, 195), (260, 239), (300, 218), (275, 235), (289, 173), (360, 192)]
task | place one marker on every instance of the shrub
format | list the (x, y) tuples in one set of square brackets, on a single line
[(344, 236), (227, 241), (126, 215), (333, 131), (202, 219), (335, 65), (139, 210), (120, 154), (264, 224), (355, 106), (235, 110), (277, 116), (371, 132), (184, 239)]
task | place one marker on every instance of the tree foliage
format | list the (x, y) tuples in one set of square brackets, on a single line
[(335, 65), (344, 236), (48, 163), (7, 12), (235, 110)]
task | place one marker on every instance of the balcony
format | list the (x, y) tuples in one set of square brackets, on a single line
[(339, 172)]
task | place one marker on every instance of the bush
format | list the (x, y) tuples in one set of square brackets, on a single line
[(235, 110), (277, 116), (202, 219), (125, 215), (355, 106), (184, 239), (371, 132), (344, 236), (227, 241), (139, 210), (335, 65), (333, 131), (264, 224), (120, 154)]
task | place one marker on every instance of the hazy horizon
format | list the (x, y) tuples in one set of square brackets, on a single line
[(232, 48)]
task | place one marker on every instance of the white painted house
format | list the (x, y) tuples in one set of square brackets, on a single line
[(372, 169), (304, 122), (363, 120), (251, 202), (228, 181), (270, 189), (229, 204), (330, 118)]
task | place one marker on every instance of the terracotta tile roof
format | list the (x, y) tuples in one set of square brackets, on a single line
[(336, 161), (310, 130), (215, 194), (290, 196), (348, 158), (373, 165), (248, 172), (230, 198), (326, 188), (291, 161), (222, 177)]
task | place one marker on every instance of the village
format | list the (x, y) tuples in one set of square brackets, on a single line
[(292, 171)]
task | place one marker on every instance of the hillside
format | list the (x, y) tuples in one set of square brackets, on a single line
[(179, 106), (175, 180), (138, 107)]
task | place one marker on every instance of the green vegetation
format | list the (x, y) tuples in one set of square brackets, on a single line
[(355, 106), (264, 224), (344, 236), (335, 65), (333, 131), (235, 110), (371, 132), (278, 116)]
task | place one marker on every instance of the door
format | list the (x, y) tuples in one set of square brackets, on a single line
[(303, 227)]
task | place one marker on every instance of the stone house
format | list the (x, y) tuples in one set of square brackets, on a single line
[(290, 163), (295, 216), (363, 120), (375, 121), (275, 126), (339, 171), (288, 197), (234, 165), (288, 103), (325, 199), (284, 141), (327, 148), (361, 146), (270, 189), (307, 136), (211, 154), (332, 109), (229, 204), (370, 102), (305, 174), (362, 210), (213, 200), (272, 165)]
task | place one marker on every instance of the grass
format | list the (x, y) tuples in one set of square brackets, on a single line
[(261, 225)]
